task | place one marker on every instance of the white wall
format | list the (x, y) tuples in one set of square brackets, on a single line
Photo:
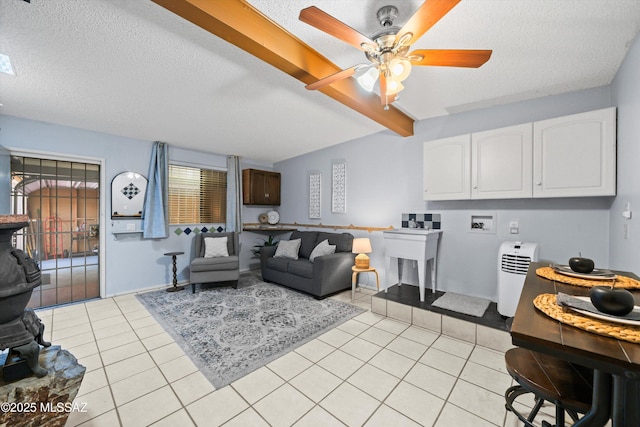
[(384, 179), (249, 239), (625, 253), (5, 181)]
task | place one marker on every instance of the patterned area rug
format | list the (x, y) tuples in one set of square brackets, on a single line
[(230, 332)]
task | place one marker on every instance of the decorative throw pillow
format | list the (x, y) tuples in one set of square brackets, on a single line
[(288, 249), (215, 247), (322, 248)]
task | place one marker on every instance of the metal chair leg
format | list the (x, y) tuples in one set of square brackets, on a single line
[(510, 396)]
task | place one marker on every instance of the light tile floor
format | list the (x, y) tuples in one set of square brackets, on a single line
[(369, 371)]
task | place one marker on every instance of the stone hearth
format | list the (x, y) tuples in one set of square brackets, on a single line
[(45, 401)]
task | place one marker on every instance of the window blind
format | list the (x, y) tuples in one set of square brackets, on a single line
[(197, 196)]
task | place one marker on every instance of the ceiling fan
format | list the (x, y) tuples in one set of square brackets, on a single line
[(388, 49)]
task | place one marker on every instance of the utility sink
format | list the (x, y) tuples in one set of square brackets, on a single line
[(418, 244)]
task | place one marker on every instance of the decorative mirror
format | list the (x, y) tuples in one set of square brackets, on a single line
[(127, 195)]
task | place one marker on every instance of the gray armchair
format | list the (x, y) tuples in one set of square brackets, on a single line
[(218, 269)]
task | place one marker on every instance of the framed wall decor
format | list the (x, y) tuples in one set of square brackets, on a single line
[(127, 195), (339, 186), (315, 193)]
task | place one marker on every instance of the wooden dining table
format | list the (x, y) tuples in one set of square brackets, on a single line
[(616, 363)]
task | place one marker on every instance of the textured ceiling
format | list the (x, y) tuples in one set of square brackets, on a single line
[(132, 68)]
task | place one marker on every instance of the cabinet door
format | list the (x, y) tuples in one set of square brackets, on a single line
[(272, 188), (256, 187), (501, 163), (260, 187), (446, 168), (575, 155)]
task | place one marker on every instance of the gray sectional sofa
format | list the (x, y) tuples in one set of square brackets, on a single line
[(327, 275)]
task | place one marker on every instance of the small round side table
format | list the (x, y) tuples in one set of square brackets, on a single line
[(175, 287), (354, 279)]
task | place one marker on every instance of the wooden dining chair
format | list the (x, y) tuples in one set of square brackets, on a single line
[(563, 384)]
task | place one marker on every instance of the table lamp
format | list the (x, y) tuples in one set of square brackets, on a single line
[(361, 247)]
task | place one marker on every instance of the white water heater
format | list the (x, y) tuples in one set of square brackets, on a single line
[(513, 262)]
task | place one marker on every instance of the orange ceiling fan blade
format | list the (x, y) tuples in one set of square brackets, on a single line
[(450, 57), (425, 17), (330, 25), (348, 72)]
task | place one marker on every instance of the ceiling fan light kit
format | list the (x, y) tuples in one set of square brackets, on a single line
[(368, 79), (388, 49), (400, 68)]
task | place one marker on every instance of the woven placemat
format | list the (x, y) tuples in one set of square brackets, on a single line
[(547, 304), (623, 282)]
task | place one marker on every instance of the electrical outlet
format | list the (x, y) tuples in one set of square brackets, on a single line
[(514, 227)]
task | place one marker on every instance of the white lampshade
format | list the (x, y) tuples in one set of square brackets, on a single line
[(393, 86), (368, 79), (361, 246), (400, 68)]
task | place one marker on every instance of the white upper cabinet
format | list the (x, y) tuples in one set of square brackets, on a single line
[(575, 155), (447, 168), (570, 156), (501, 163)]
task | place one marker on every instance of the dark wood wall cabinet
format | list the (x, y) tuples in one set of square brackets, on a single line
[(260, 187)]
